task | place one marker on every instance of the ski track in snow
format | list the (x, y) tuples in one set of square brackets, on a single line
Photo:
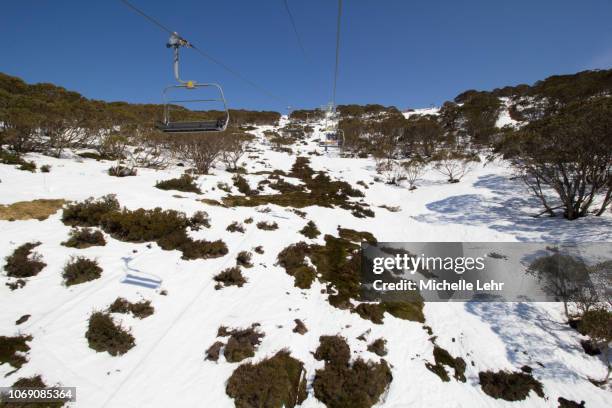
[(167, 367)]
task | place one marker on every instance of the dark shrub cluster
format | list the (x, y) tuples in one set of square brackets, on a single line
[(103, 334), (317, 189), (508, 385), (229, 277), (292, 259), (122, 171), (242, 343), (310, 230), (185, 183), (89, 213), (12, 350), (378, 347), (443, 358), (32, 382), (565, 403), (356, 236), (84, 238), (244, 259), (23, 263), (80, 270), (267, 226), (276, 382), (342, 384), (235, 227), (243, 185), (166, 227), (300, 327), (141, 310), (338, 263)]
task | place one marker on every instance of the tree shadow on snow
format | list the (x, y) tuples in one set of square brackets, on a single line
[(531, 337), (511, 210)]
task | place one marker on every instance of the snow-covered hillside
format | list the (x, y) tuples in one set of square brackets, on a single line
[(167, 368)]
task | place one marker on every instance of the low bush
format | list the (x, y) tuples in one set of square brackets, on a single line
[(443, 358), (89, 213), (80, 270), (341, 384), (243, 185), (310, 230), (32, 382), (565, 403), (235, 227), (229, 277), (141, 310), (45, 168), (508, 385), (378, 347), (356, 236), (104, 335), (276, 382), (23, 263), (166, 227), (185, 183), (13, 349), (242, 344), (244, 259), (292, 259), (122, 171), (259, 249), (214, 351), (371, 311), (300, 327), (267, 226), (84, 238), (28, 166)]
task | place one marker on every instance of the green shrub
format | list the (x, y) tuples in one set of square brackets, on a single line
[(276, 382), (229, 277), (292, 259), (104, 335), (316, 189), (166, 227), (565, 403), (141, 310), (259, 249), (243, 185), (45, 168), (214, 351), (122, 171), (89, 213), (310, 230), (12, 350), (23, 263), (341, 384), (235, 227), (242, 343), (28, 166), (443, 358), (267, 226), (509, 386), (244, 259), (84, 238), (300, 327), (378, 347), (371, 311), (185, 183), (333, 350), (32, 382), (80, 270), (356, 236)]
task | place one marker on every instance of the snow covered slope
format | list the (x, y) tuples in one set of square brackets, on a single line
[(167, 366)]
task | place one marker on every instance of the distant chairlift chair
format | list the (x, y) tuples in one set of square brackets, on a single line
[(198, 126)]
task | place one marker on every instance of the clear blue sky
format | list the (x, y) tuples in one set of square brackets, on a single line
[(399, 52)]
